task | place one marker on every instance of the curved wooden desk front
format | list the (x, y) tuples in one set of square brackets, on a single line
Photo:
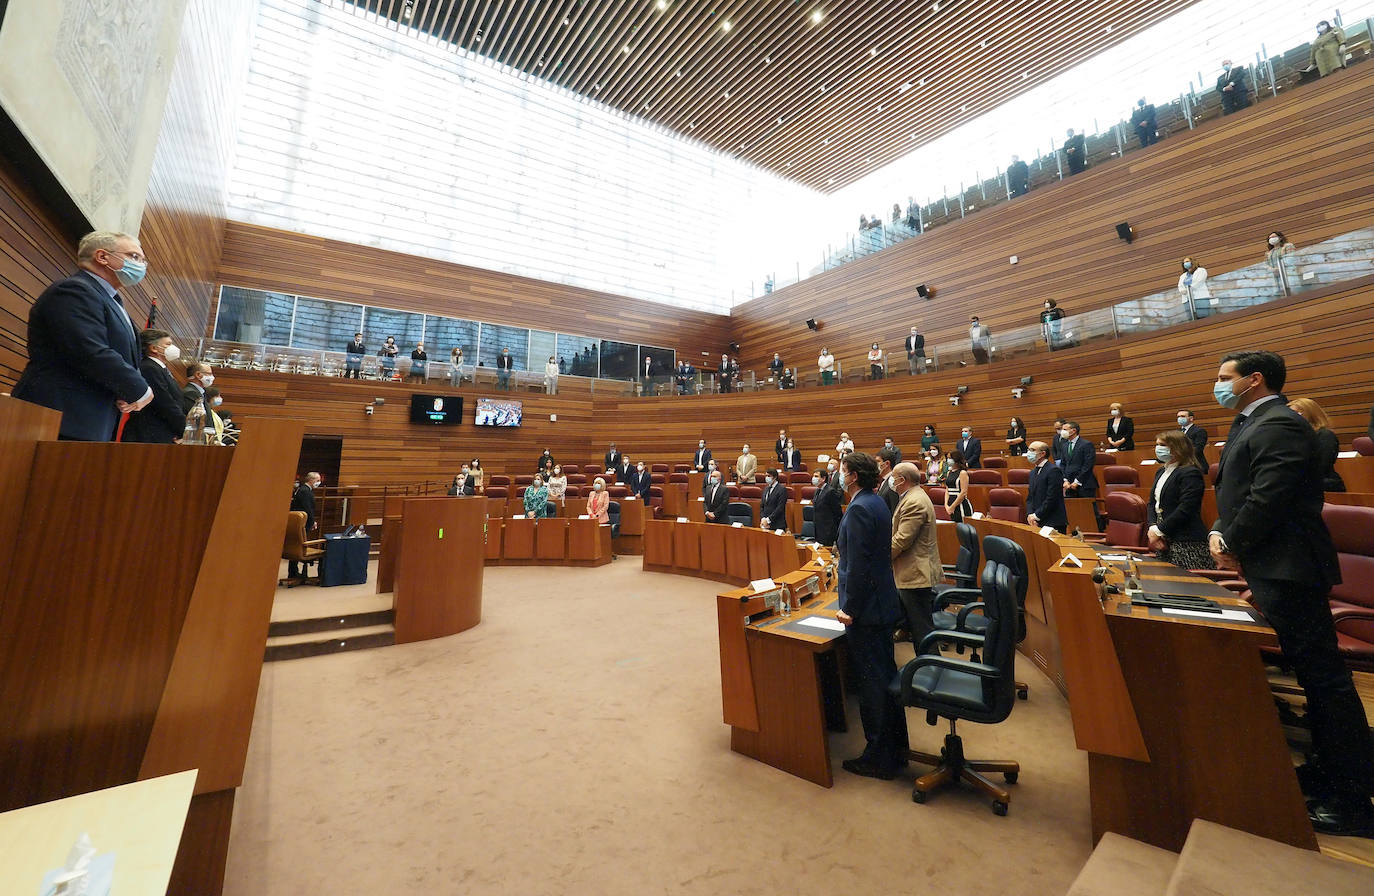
[(734, 554)]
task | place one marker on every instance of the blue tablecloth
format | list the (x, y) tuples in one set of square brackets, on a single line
[(345, 560)]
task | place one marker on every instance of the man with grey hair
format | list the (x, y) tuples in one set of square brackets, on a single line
[(915, 552), (83, 348)]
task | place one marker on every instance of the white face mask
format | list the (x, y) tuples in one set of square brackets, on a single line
[(1033, 457), (715, 480), (1116, 412), (816, 480), (208, 379), (1066, 434), (1273, 241), (217, 402), (171, 353)]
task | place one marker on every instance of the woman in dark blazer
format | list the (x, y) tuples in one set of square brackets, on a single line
[(1177, 532), (1120, 429), (1328, 444), (1016, 437), (161, 420)]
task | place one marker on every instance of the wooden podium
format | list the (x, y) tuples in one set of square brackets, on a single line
[(439, 567), (134, 613)]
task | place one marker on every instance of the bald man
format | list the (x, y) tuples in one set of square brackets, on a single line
[(915, 552)]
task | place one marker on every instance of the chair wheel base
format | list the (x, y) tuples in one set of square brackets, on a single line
[(951, 767)]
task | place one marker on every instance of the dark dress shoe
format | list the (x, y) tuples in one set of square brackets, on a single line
[(1314, 783), (1342, 819), (861, 766)]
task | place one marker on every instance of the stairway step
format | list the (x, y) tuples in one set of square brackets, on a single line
[(330, 623), (1218, 859), (1120, 866), (299, 646)]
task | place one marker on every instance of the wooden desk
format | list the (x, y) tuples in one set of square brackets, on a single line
[(632, 523), (519, 539), (713, 565), (589, 543), (141, 823), (551, 539), (496, 528), (687, 547), (1177, 719), (658, 545)]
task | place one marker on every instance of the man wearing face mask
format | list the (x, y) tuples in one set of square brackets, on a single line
[(773, 506), (980, 340), (717, 500), (887, 459), (702, 458), (1269, 497), (1045, 491), (303, 499), (162, 421), (463, 485), (971, 447), (1232, 87), (826, 507), (199, 377), (915, 553), (1079, 456), (640, 482), (214, 425), (1145, 122), (1197, 435), (83, 348), (745, 467)]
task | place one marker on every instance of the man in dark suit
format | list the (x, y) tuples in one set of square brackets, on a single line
[(915, 352), (870, 609), (162, 422), (353, 357), (1079, 456), (199, 377), (303, 499), (723, 372), (83, 348), (773, 506), (1057, 443), (504, 365), (886, 459), (717, 500), (646, 372), (702, 459), (972, 448), (463, 484), (1018, 177), (1269, 496), (1143, 120), (1076, 152), (1045, 495), (826, 508), (891, 446), (612, 458), (791, 458), (1197, 435), (625, 470), (640, 481), (1232, 87), (776, 367), (780, 446)]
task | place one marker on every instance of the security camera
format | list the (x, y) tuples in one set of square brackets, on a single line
[(1017, 392), (954, 400), (367, 409), (379, 401)]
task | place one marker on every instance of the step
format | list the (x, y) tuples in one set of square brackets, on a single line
[(1120, 866), (308, 644), (339, 623), (1217, 859)]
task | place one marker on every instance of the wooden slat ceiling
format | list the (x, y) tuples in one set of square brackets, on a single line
[(822, 102)]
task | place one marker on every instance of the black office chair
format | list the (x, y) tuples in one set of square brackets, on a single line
[(739, 512), (808, 532), (613, 514), (964, 572), (967, 619), (982, 692)]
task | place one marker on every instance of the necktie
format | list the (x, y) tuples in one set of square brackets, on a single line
[(119, 303), (1236, 426)]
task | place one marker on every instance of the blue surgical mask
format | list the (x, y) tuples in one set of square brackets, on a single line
[(844, 484), (1182, 422), (1226, 395), (1187, 265), (133, 272), (1163, 454), (1033, 457)]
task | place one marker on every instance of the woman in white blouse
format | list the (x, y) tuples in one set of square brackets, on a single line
[(558, 487), (875, 362), (845, 446), (1192, 286)]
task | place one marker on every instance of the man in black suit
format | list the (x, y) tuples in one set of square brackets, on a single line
[(624, 470), (353, 357), (702, 459), (1058, 443), (463, 485), (972, 448), (776, 367), (892, 447), (724, 373), (1076, 152), (199, 377), (1079, 456), (1018, 177), (773, 507), (162, 421), (1197, 435), (780, 446), (640, 481), (1269, 496), (1045, 495), (1143, 120), (826, 508), (717, 499), (303, 499), (915, 352), (504, 365), (612, 458), (1232, 87), (646, 372), (887, 458), (83, 348)]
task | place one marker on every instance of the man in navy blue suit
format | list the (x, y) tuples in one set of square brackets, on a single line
[(83, 348), (640, 482), (972, 448), (870, 608), (773, 505), (1079, 457), (1045, 496)]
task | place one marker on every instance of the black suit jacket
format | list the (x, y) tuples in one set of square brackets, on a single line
[(1076, 152), (701, 459), (973, 451), (773, 507), (826, 512), (505, 362), (1269, 495), (1078, 465), (303, 498), (1127, 432), (866, 589), (778, 448), (612, 460), (791, 460), (462, 487), (1018, 177), (717, 503), (355, 348), (1181, 499), (1144, 119), (624, 473), (1236, 78), (1045, 496), (640, 483), (1198, 436), (161, 421), (83, 356), (190, 394), (889, 495)]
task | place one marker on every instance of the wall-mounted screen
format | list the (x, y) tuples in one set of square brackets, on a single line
[(438, 410), (498, 412)]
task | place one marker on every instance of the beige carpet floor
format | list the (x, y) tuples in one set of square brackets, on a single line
[(573, 743)]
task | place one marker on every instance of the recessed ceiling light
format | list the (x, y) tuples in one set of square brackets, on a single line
[(904, 88), (880, 108), (596, 87), (825, 142), (963, 108), (788, 165), (725, 26), (1025, 75), (779, 119), (744, 146), (727, 94), (646, 107), (691, 125), (913, 136), (868, 161), (662, 4), (873, 51), (627, 48), (816, 17), (567, 21), (767, 59), (822, 88), (921, 83), (935, 8), (830, 182), (983, 45), (679, 73), (1109, 29)]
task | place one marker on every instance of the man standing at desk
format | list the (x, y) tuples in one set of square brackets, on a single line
[(870, 609), (1269, 495)]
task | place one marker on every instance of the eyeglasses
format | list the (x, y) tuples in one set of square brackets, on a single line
[(136, 256)]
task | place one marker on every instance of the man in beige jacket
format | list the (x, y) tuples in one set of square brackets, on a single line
[(915, 551), (745, 467)]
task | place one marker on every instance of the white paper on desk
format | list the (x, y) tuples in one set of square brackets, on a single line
[(805, 501), (1048, 531), (703, 500), (1070, 560), (762, 584), (831, 625), (1227, 615), (977, 514), (584, 516), (1148, 463), (1347, 454), (682, 519), (1115, 558)]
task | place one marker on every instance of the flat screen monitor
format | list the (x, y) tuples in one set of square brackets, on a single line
[(436, 410), (498, 412)]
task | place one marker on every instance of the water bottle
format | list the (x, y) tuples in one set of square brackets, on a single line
[(192, 434)]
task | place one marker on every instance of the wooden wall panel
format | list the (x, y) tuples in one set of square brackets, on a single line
[(1298, 164), (264, 258)]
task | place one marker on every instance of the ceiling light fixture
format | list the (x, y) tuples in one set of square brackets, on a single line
[(873, 51), (816, 17), (725, 26), (830, 183), (627, 48), (904, 88), (408, 10), (662, 4)]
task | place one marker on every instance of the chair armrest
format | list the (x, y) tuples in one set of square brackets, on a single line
[(968, 639), (314, 541), (1093, 537), (964, 613), (1362, 613), (956, 596), (962, 578), (982, 670)]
